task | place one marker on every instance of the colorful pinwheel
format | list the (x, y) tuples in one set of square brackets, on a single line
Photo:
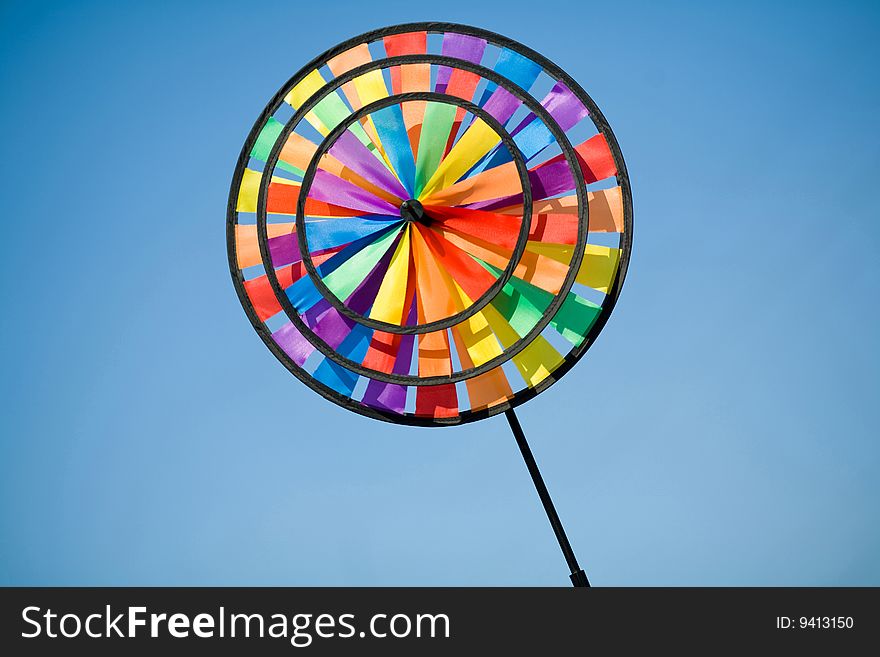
[(430, 224)]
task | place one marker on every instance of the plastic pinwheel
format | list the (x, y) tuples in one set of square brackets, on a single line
[(429, 224)]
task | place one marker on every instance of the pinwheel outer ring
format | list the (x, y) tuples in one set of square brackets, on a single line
[(610, 301)]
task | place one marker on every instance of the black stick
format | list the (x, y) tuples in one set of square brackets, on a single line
[(578, 576)]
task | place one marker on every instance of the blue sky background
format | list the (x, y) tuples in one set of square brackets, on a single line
[(723, 429)]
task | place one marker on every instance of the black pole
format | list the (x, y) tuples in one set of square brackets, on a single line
[(578, 576)]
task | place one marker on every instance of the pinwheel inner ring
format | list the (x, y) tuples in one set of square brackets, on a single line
[(492, 290)]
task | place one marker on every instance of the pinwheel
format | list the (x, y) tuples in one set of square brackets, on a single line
[(429, 224)]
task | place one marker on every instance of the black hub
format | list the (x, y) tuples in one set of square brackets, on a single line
[(412, 210)]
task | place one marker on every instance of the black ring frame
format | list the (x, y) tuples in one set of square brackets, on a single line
[(305, 187), (552, 308), (599, 121)]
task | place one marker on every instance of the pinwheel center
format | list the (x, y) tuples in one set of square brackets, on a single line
[(412, 210)]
